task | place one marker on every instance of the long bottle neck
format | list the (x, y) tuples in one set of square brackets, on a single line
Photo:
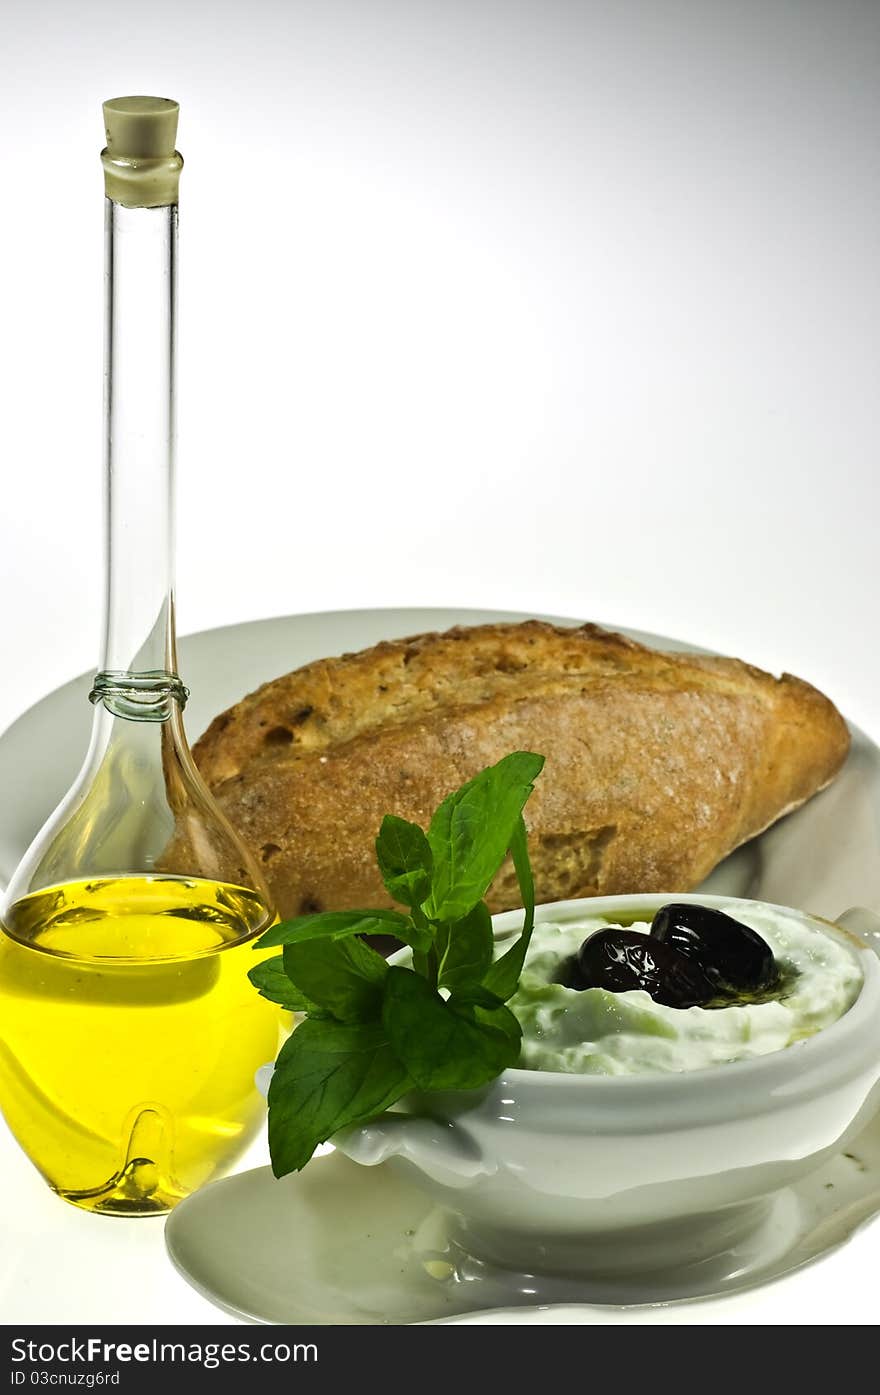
[(140, 272)]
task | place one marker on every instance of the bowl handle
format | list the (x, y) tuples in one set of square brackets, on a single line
[(862, 923), (443, 1150)]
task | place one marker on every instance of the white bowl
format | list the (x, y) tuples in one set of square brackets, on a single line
[(573, 1174)]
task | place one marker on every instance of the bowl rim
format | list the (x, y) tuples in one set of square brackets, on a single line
[(805, 1067)]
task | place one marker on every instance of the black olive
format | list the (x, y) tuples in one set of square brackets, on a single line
[(731, 954), (622, 960)]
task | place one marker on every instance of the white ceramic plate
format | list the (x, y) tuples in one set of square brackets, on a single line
[(823, 859)]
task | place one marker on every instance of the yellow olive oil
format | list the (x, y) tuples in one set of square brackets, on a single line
[(130, 1034)]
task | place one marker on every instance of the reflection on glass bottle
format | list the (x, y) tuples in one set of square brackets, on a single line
[(129, 1033)]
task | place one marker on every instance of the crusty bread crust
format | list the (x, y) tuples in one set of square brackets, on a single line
[(658, 765)]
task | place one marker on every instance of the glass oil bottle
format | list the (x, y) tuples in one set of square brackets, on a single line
[(129, 1032)]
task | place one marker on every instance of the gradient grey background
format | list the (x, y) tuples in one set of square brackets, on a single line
[(547, 305)]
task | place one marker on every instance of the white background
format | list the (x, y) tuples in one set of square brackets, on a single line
[(529, 304)]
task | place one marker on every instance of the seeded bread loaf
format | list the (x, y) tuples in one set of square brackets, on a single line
[(658, 765)]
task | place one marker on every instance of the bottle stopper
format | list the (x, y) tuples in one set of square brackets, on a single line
[(141, 166)]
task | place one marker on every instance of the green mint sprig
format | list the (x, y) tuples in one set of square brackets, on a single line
[(374, 1031)]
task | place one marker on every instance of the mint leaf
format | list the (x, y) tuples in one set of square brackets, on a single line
[(405, 861), (471, 832), (519, 851), (335, 925), (442, 1049), (464, 949), (271, 981), (328, 1076), (500, 1019), (344, 976), (474, 995), (503, 977)]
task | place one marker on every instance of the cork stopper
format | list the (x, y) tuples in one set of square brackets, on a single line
[(141, 166)]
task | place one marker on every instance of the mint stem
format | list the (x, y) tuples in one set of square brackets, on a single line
[(433, 967)]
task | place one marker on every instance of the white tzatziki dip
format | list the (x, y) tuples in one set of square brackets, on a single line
[(596, 1032)]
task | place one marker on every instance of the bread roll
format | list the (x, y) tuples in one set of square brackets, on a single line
[(657, 765)]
